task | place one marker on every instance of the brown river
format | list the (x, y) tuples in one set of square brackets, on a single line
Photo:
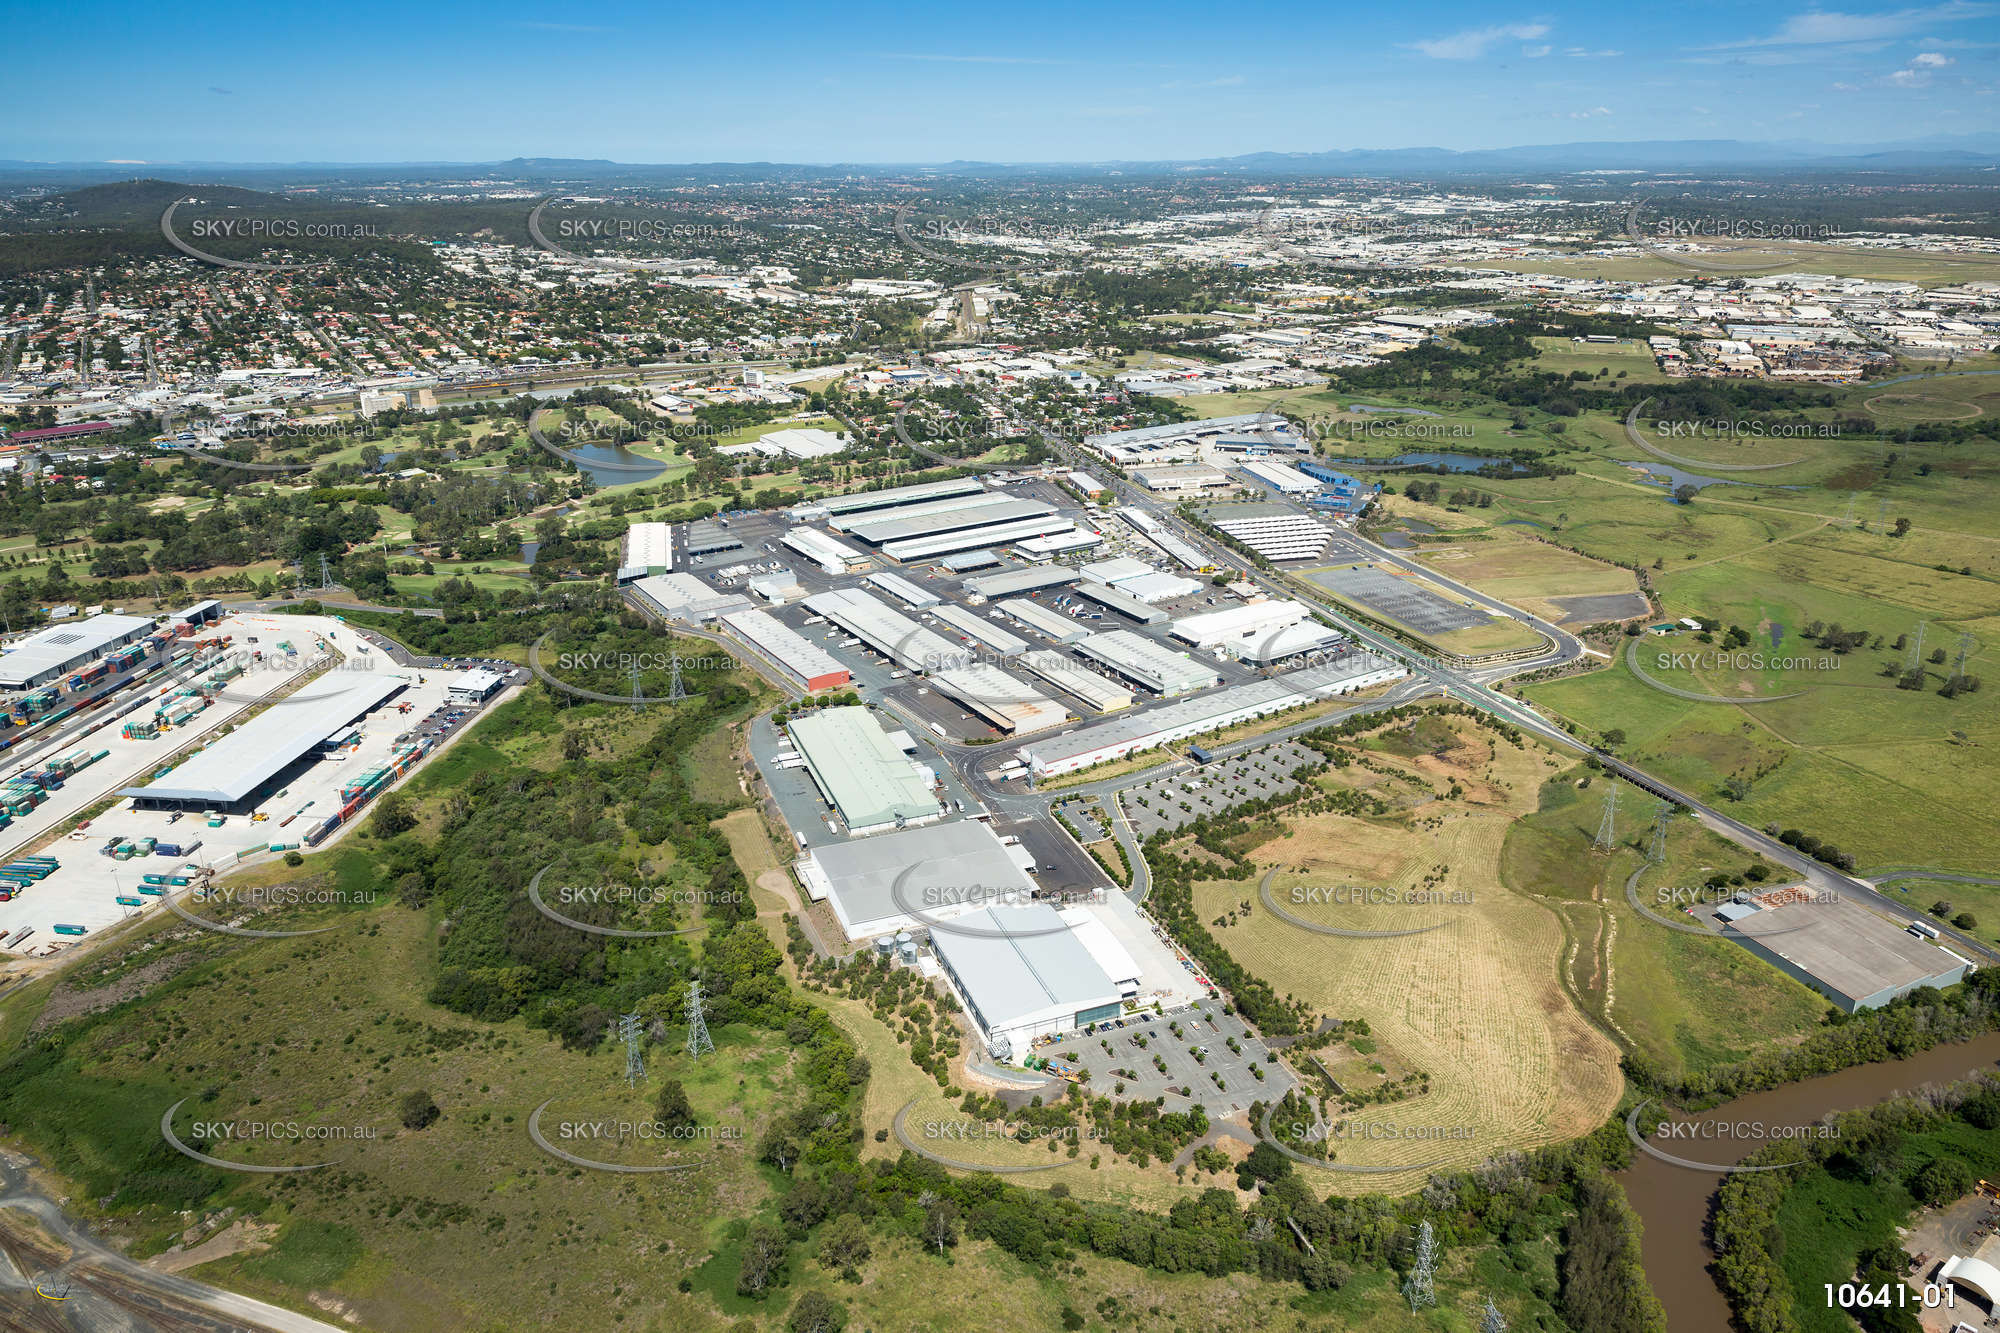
[(1673, 1201)]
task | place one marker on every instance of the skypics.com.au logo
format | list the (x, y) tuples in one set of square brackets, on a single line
[(249, 1135), (1750, 1134), (1704, 243), (250, 675), (584, 463), (619, 677), (945, 440), (933, 894), (613, 1133), (1417, 904), (567, 904), (988, 244), (1704, 900), (267, 230), (263, 898), (555, 226)]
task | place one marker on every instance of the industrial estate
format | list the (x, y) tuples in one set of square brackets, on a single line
[(1356, 740)]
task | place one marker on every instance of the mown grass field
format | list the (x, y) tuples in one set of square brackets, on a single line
[(1625, 359), (1476, 1004)]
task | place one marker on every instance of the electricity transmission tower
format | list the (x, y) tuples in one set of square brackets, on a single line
[(698, 1038), (1607, 828), (1916, 659), (1418, 1288), (1658, 851), (325, 574), (1852, 496), (676, 692), (1491, 1320), (1964, 652), (635, 1063)]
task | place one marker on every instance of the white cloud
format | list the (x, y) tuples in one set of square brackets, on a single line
[(1226, 81), (1819, 27), (1584, 53), (1918, 73), (1592, 114), (1475, 42), (1536, 52)]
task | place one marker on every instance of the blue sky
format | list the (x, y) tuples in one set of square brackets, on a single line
[(118, 80)]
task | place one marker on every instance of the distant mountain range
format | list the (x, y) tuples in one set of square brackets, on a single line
[(1957, 151), (1966, 153)]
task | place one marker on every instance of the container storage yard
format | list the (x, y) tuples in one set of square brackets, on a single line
[(64, 881)]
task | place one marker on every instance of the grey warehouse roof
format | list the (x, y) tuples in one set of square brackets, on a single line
[(244, 760), (1035, 964), (58, 645), (932, 870)]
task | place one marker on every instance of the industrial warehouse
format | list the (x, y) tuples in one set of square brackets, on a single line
[(806, 662), (647, 548), (1155, 727), (155, 768), (1838, 947), (1049, 621), (50, 654), (860, 773), (913, 877), (889, 633), (1021, 973), (237, 771), (1148, 663), (958, 902), (1012, 707)]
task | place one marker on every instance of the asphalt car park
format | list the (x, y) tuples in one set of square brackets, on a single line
[(1179, 799), (1114, 1055)]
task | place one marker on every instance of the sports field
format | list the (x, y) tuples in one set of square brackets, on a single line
[(1626, 359)]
